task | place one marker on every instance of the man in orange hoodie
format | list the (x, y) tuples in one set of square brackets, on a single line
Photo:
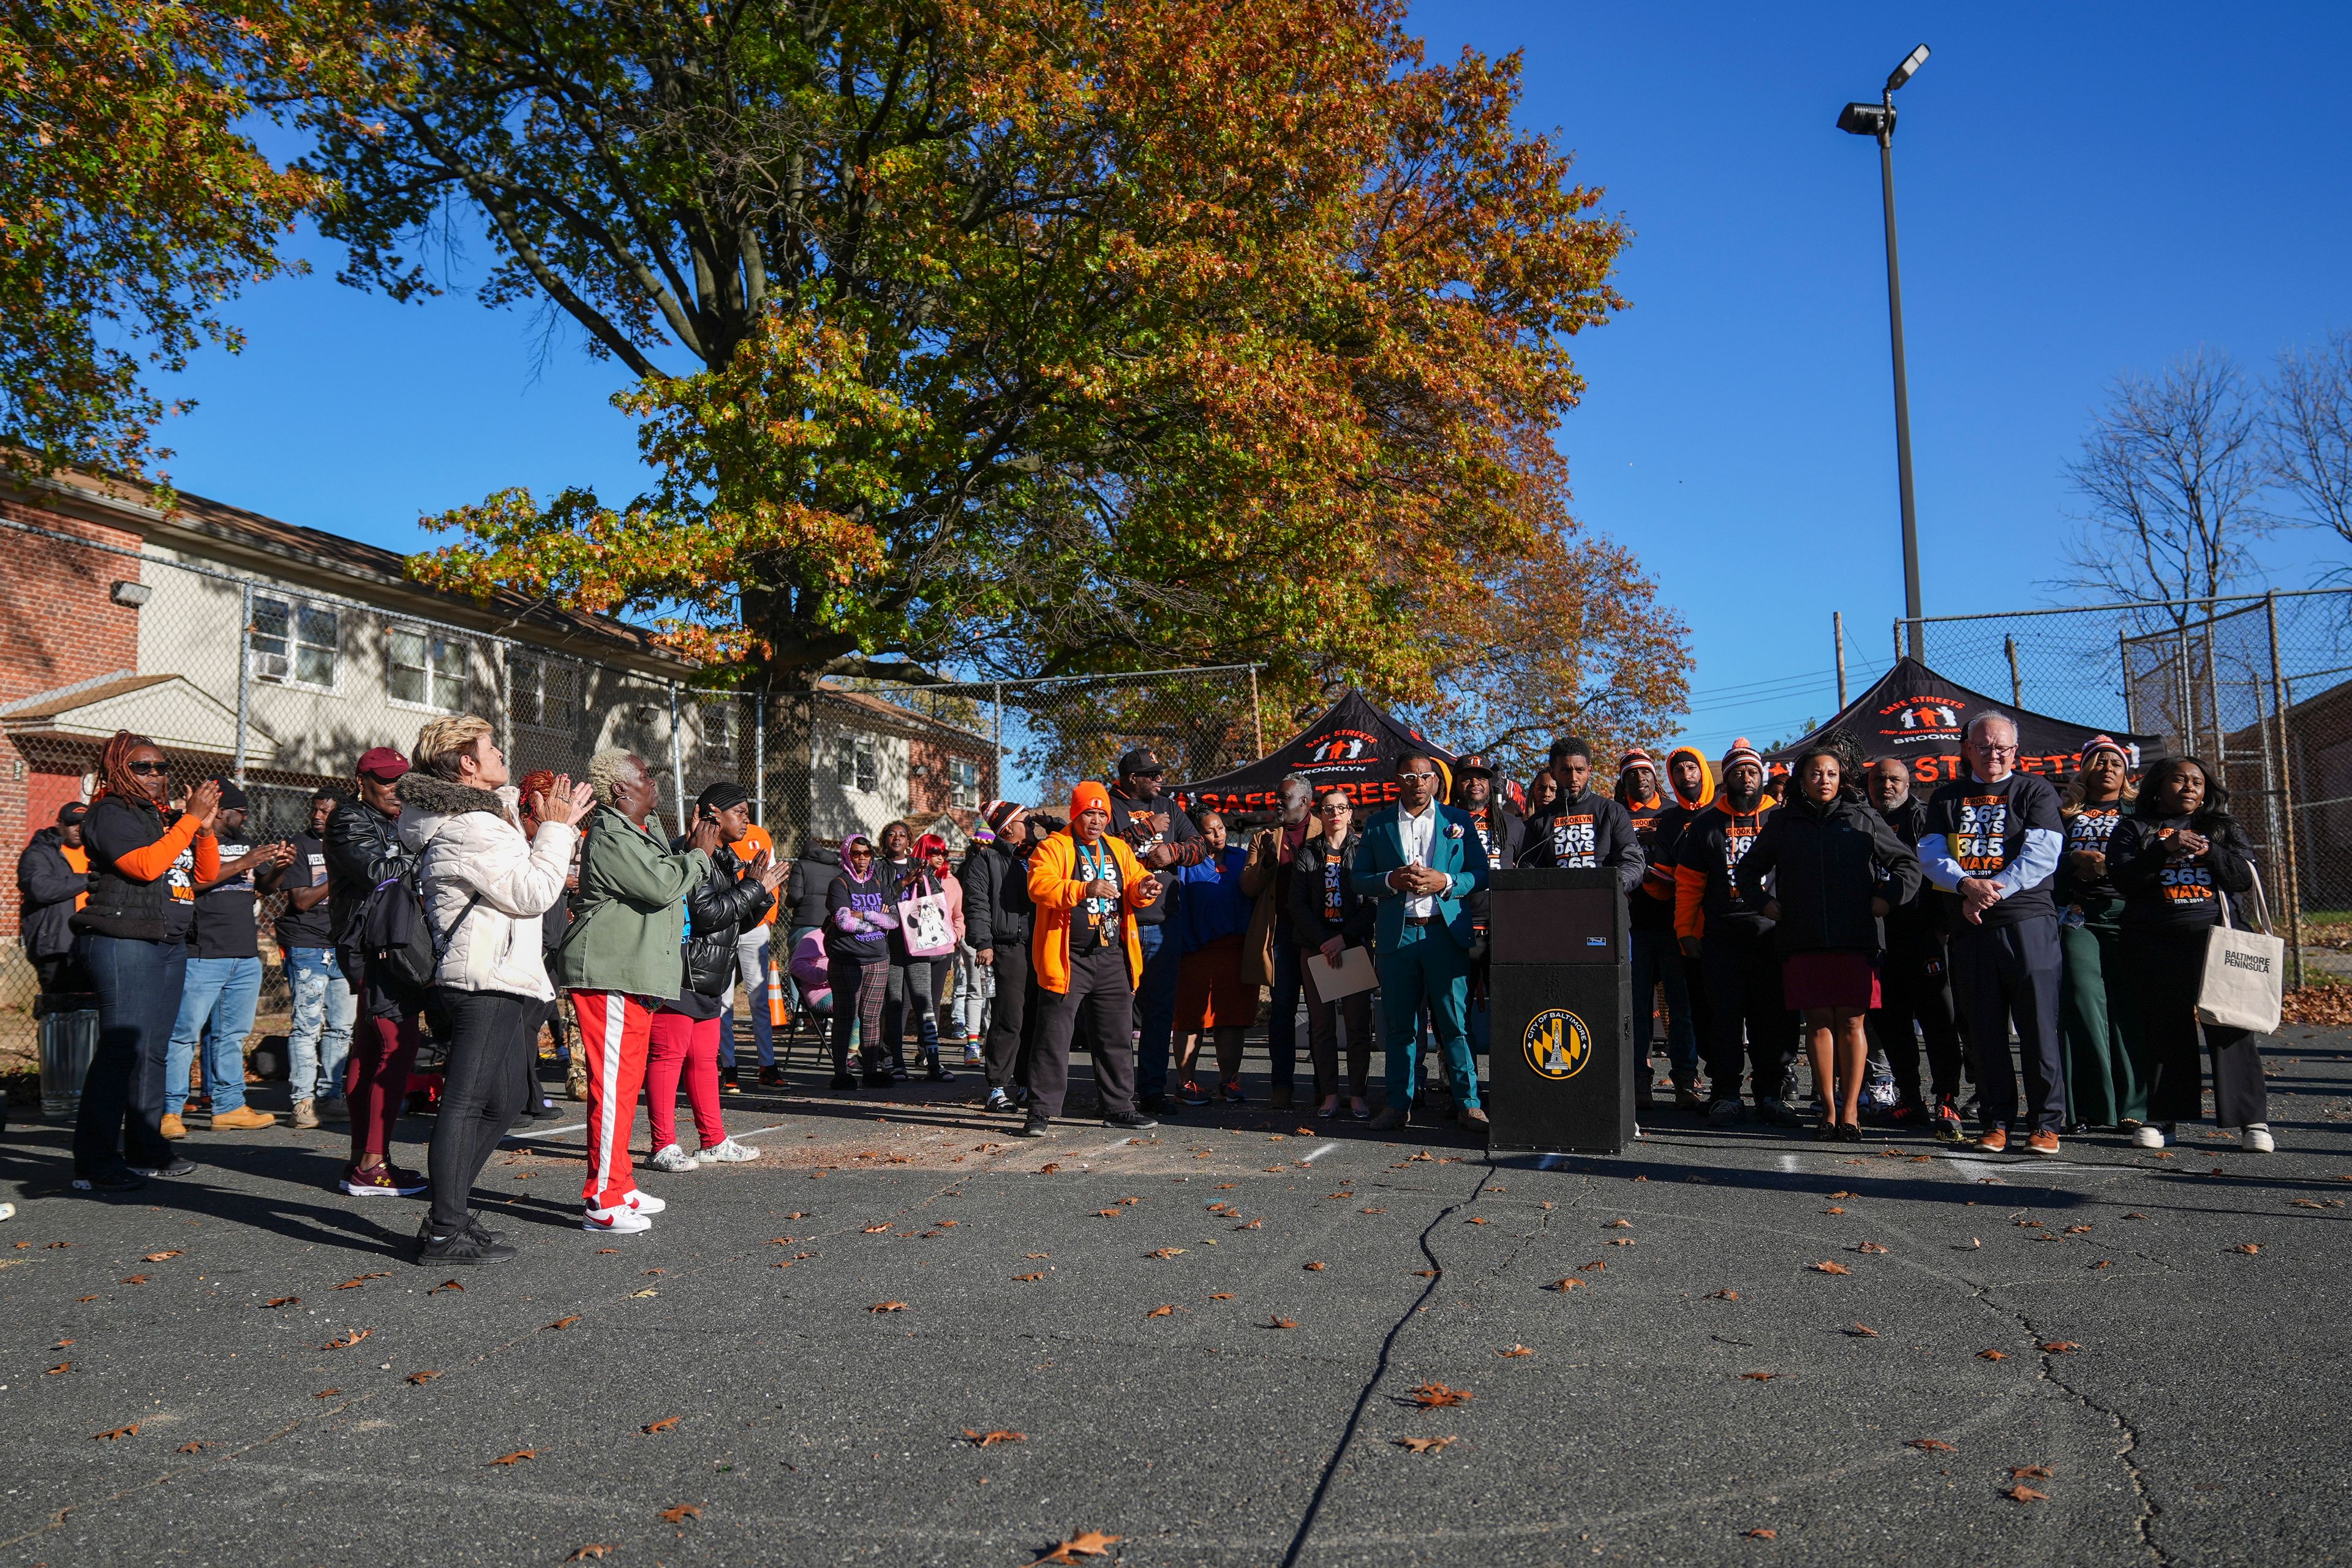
[(1658, 962), (1088, 886)]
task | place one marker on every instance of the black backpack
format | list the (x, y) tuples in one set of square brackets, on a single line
[(395, 936)]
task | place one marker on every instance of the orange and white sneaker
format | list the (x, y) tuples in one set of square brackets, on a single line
[(2044, 1143), (618, 1220), (1991, 1140)]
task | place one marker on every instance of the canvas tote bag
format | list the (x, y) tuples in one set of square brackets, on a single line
[(927, 925), (2243, 973)]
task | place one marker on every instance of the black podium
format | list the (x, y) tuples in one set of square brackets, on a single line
[(1559, 985)]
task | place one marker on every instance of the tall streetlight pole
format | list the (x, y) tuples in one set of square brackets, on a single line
[(1878, 120)]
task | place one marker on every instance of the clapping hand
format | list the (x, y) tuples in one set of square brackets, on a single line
[(706, 835), (565, 801), (204, 803)]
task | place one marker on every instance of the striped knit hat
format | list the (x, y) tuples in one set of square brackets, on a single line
[(1636, 758), (1741, 752), (2103, 743)]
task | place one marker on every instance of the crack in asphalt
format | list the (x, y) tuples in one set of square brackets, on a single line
[(1339, 1450)]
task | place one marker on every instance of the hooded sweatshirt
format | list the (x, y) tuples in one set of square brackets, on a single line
[(1666, 830), (1706, 867), (1646, 912), (1586, 830)]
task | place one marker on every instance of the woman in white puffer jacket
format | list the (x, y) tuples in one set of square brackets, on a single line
[(484, 888)]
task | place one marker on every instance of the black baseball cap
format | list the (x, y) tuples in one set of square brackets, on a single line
[(1475, 766), (1143, 760), (73, 811)]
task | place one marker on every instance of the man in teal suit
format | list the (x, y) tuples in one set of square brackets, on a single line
[(1422, 860)]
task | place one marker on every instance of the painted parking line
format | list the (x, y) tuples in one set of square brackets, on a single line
[(1312, 1155)]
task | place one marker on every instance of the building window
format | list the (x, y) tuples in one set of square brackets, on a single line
[(292, 641), (718, 730), (426, 669), (964, 782), (859, 767)]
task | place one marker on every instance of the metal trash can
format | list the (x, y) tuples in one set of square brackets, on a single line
[(68, 1042)]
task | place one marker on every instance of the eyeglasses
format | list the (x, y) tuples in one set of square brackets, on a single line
[(1417, 776), (1335, 809), (155, 769)]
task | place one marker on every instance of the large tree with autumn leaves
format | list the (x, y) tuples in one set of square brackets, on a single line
[(1026, 336)]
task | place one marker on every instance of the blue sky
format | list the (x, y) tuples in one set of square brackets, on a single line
[(2082, 190)]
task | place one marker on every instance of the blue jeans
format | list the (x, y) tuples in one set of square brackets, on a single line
[(321, 1042), (1155, 1010), (221, 992), (1659, 961), (1282, 1023), (122, 1094), (1425, 965), (751, 968)]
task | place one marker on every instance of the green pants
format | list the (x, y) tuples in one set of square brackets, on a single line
[(2104, 1086)]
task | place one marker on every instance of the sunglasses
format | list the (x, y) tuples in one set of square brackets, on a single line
[(1416, 775), (153, 769)]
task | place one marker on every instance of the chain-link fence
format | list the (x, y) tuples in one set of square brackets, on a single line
[(237, 674), (2260, 686)]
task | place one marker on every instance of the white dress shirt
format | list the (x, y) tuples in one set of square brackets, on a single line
[(1418, 832)]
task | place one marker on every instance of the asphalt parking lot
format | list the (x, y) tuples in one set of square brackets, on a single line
[(1247, 1339)]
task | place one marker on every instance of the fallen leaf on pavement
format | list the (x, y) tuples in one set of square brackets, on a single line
[(1423, 1444), (1430, 1395), (1759, 1377), (1034, 1254), (1619, 1224), (1251, 1225), (1222, 1296), (1723, 1295), (61, 1366), (1425, 1273), (2028, 1473), (876, 1229), (679, 1514), (1515, 1351), (1564, 1285), (1028, 1278), (1373, 1211), (358, 1281), (1828, 1267), (1589, 1268), (1870, 1246), (1992, 1355), (2023, 1493), (593, 1549), (664, 1425), (1316, 1268), (1165, 1252), (989, 1439), (1048, 1168), (887, 1307), (516, 1457), (1932, 1445), (159, 1257), (564, 1323), (1838, 1208), (1475, 1219), (197, 1447), (2059, 1347), (421, 1378), (445, 1284), (1863, 1331), (2248, 1247), (346, 1340), (1086, 1543), (1762, 1534), (282, 1301), (135, 1280), (1281, 1323), (1168, 1312), (2104, 1263), (117, 1434)]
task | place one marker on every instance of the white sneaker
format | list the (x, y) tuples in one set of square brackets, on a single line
[(644, 1202), (727, 1151), (671, 1158), (972, 1056), (2257, 1138), (2148, 1135), (619, 1220)]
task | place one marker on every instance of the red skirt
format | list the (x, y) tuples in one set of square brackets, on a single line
[(1211, 992), (1829, 980)]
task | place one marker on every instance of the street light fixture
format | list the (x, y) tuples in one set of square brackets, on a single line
[(1877, 119)]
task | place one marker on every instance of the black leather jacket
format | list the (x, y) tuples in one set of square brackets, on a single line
[(997, 908), (716, 913), (364, 848), (1309, 927)]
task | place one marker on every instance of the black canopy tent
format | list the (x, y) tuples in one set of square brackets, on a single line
[(1914, 713), (1354, 746)]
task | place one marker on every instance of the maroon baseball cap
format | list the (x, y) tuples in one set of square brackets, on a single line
[(382, 764)]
